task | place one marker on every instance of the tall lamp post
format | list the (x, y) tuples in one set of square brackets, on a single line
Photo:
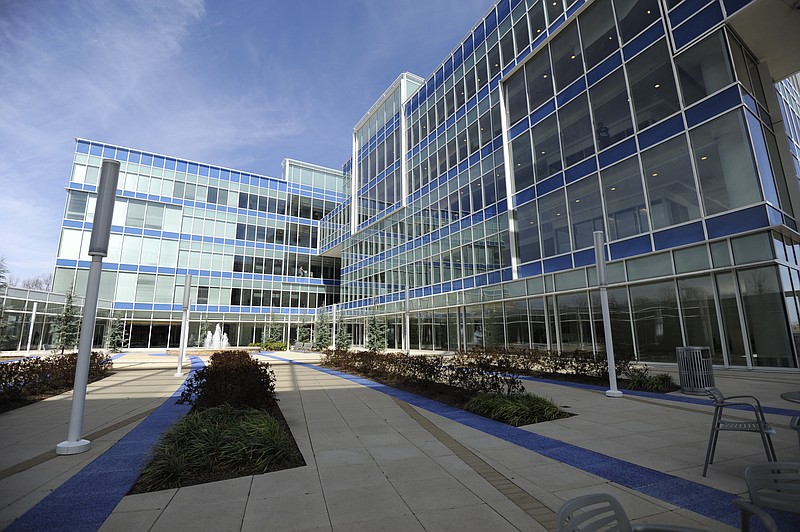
[(602, 282), (98, 248), (184, 324)]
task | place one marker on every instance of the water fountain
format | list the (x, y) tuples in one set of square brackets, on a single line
[(217, 339)]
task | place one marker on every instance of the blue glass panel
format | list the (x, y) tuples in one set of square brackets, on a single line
[(147, 159), (679, 236), (648, 37), (583, 258), (617, 153), (110, 266), (580, 170), (170, 164), (660, 132), (518, 128), (732, 6), (491, 21), (574, 7), (203, 170), (543, 111), (494, 277), (123, 306), (550, 184), (631, 247), (507, 274), (148, 269), (478, 35), (134, 156), (192, 168), (604, 68), (684, 11), (530, 269), (82, 147), (503, 10), (775, 216), (480, 280), (555, 264), (524, 196), (127, 267), (556, 24), (182, 166), (697, 25), (96, 149), (448, 67), (109, 152), (737, 222), (717, 104), (570, 92), (66, 262)]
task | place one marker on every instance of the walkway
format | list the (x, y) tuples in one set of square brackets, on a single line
[(382, 459)]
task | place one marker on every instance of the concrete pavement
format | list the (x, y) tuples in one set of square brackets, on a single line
[(379, 459)]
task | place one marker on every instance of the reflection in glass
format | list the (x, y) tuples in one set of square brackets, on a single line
[(598, 32), (574, 321), (566, 52), (554, 224), (547, 149), (522, 160), (539, 79), (585, 210), (724, 164), (528, 229), (634, 16), (620, 314), (704, 68), (652, 85), (655, 318), (576, 130), (625, 205), (538, 323), (700, 315), (670, 183), (517, 323), (612, 111)]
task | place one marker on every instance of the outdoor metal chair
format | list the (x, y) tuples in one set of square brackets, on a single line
[(795, 424), (601, 511), (774, 485), (759, 424)]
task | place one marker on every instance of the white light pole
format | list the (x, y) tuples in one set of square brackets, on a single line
[(98, 248), (187, 286), (602, 282)]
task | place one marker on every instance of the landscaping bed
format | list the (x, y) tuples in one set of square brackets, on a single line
[(464, 382), (26, 381), (235, 428)]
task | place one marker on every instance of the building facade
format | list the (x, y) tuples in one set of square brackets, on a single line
[(465, 212)]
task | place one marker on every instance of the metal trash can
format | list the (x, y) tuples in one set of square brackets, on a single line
[(695, 369)]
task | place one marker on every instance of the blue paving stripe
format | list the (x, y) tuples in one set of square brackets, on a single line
[(86, 500), (710, 502), (698, 400)]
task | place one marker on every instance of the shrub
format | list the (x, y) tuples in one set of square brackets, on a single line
[(518, 409), (27, 380), (233, 378), (218, 443), (640, 379)]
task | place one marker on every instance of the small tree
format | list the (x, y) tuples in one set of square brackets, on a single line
[(116, 335), (322, 330), (376, 334), (4, 337), (343, 339), (272, 332), (67, 326), (303, 333)]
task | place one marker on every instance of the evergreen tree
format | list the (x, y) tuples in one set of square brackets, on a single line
[(273, 332), (343, 339), (376, 335), (116, 335), (303, 333), (67, 327), (322, 330)]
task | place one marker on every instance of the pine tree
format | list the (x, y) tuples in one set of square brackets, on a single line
[(322, 330), (376, 335), (343, 339), (67, 327), (116, 335), (272, 332), (303, 333)]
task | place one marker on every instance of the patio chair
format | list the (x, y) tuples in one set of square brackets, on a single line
[(759, 424), (795, 424), (774, 485), (601, 511)]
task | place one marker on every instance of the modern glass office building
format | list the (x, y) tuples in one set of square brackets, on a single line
[(465, 212)]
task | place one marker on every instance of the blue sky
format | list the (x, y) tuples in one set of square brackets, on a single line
[(236, 83)]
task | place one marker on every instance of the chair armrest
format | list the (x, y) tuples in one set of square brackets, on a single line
[(753, 397), (748, 509), (664, 528)]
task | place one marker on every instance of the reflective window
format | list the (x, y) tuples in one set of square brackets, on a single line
[(611, 108), (620, 320), (76, 205), (731, 323), (554, 9), (539, 79), (574, 321), (670, 183), (547, 149), (624, 198), (762, 301), (752, 248), (566, 52), (634, 16), (536, 19), (515, 97), (725, 164), (655, 319), (585, 211), (704, 68), (652, 85), (528, 230), (576, 130), (522, 160), (554, 224), (598, 32), (517, 323), (700, 315)]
